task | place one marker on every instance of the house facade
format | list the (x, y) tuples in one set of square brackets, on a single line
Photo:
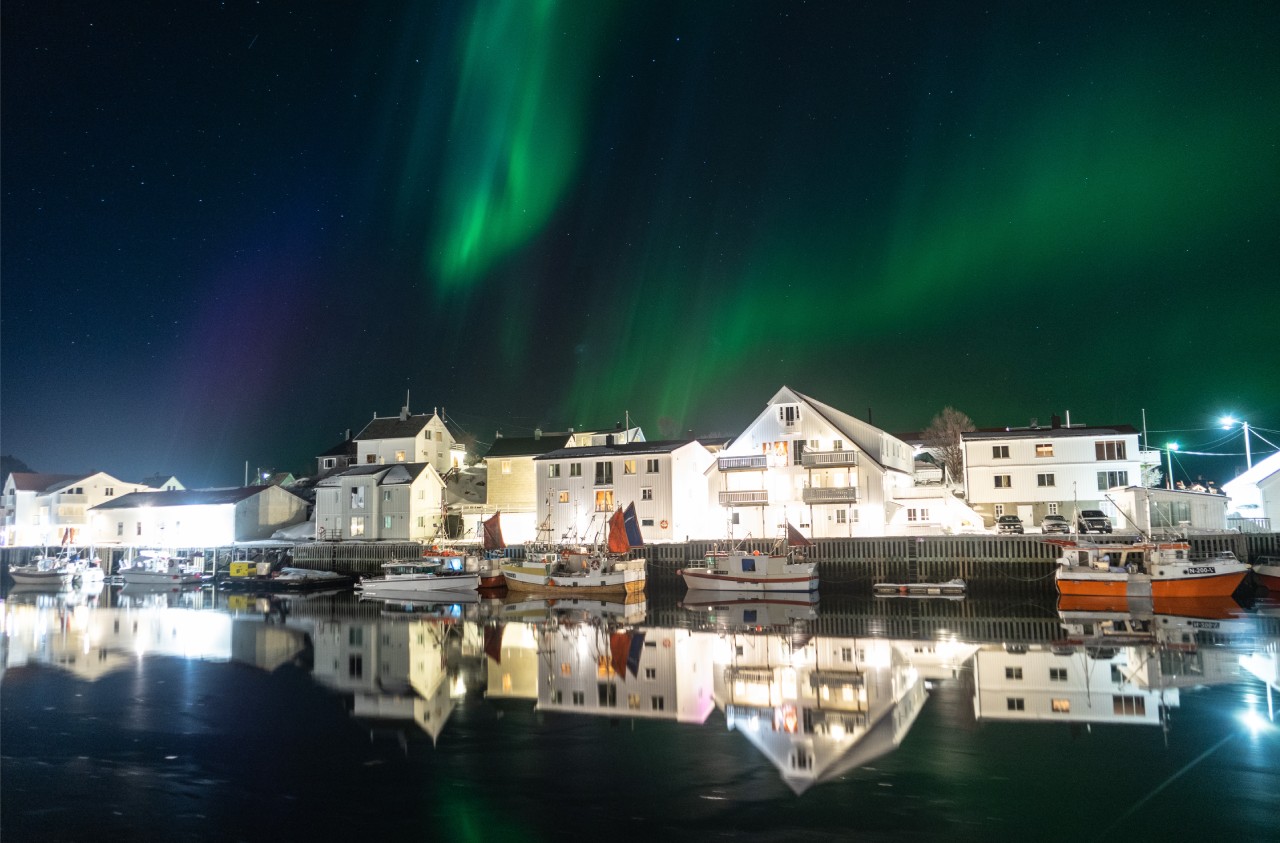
[(401, 502), (53, 509), (406, 438), (512, 484), (1036, 471), (185, 518), (579, 488), (808, 463)]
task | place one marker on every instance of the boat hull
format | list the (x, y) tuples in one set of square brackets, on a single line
[(703, 579), (535, 579), (1268, 577), (46, 579), (409, 586), (1089, 582)]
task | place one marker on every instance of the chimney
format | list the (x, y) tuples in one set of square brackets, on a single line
[(1055, 421), (537, 433), (1035, 422), (404, 414), (617, 425), (608, 440)]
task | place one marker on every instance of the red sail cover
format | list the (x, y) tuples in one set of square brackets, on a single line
[(794, 539), (493, 533), (618, 534)]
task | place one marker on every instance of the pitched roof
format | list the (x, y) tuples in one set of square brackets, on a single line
[(394, 427), (662, 446), (526, 446), (395, 474), (185, 497), (345, 448), (1043, 432), (28, 481)]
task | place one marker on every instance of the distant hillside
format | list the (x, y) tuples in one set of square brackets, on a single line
[(8, 465)]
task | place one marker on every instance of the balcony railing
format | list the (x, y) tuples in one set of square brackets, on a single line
[(829, 459), (753, 462), (750, 497), (829, 494)]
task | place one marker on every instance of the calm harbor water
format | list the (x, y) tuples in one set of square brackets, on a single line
[(198, 715)]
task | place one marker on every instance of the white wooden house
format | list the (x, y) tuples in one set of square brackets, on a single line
[(402, 501), (804, 462), (406, 438), (579, 488), (53, 509), (186, 518), (1056, 470)]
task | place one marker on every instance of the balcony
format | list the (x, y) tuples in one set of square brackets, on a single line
[(829, 494), (829, 459), (749, 497), (754, 462)]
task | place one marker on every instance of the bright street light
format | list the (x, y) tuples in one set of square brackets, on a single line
[(1168, 451), (1227, 423)]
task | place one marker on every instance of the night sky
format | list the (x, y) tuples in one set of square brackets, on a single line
[(233, 230)]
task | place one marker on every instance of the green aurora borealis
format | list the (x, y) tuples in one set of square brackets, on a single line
[(553, 212)]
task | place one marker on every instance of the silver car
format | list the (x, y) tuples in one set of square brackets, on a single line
[(1055, 524)]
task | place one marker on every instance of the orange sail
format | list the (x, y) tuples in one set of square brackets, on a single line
[(618, 533)]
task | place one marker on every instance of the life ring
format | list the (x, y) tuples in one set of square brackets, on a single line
[(755, 553), (551, 581), (595, 564), (663, 524)]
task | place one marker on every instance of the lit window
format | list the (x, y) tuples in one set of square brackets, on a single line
[(1061, 706), (604, 500), (628, 466), (564, 497), (506, 466), (399, 456), (357, 525), (1044, 449)]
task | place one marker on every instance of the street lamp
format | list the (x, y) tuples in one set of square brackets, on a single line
[(1168, 452), (1227, 423)]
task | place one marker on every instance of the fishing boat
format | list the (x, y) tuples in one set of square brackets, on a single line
[(490, 561), (288, 579), (44, 572), (953, 589), (416, 577), (782, 569), (162, 571), (583, 570), (1267, 571), (1144, 569)]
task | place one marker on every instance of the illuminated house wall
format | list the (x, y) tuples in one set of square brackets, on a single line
[(810, 464), (195, 517), (512, 487), (1030, 472), (377, 502), (409, 439), (45, 509), (579, 488)]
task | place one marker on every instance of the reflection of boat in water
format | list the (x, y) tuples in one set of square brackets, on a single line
[(951, 589), (783, 569), (573, 609), (1144, 569), (415, 579), (1172, 622), (582, 571), (732, 610)]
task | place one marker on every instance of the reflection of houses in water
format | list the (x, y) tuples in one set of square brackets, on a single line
[(395, 669), (62, 630), (602, 669), (820, 707)]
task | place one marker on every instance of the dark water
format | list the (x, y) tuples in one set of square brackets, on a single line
[(202, 716)]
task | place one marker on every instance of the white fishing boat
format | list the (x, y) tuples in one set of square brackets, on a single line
[(782, 569), (1267, 571), (1144, 569), (47, 573), (585, 571), (162, 571), (405, 580)]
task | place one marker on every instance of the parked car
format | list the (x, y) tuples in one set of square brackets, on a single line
[(1008, 524), (1055, 524), (1093, 521)]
